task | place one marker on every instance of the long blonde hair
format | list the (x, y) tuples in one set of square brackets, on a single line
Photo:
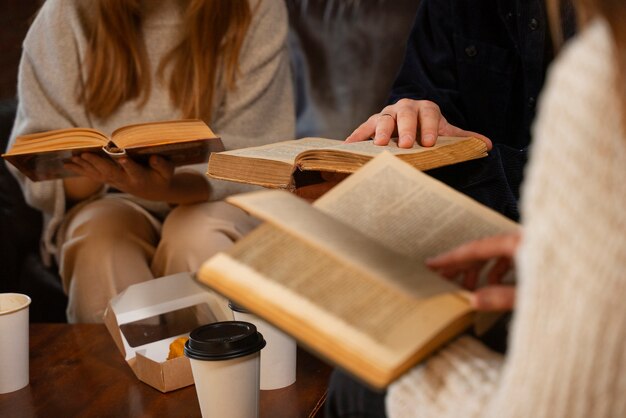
[(117, 65), (614, 12)]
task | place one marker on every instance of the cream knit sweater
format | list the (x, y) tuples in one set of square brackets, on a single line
[(567, 354), (260, 111)]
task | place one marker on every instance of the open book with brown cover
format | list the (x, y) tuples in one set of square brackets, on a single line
[(276, 165), (41, 156), (346, 276)]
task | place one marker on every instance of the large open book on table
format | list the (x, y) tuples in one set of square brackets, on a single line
[(346, 275), (41, 156), (277, 165)]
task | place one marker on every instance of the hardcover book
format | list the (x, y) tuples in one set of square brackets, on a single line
[(41, 156), (278, 165)]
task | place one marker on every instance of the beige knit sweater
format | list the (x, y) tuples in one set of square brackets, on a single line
[(260, 111), (568, 346)]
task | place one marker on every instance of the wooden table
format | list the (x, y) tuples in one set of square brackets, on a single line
[(77, 371)]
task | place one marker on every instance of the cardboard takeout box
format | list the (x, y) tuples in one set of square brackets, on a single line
[(145, 318)]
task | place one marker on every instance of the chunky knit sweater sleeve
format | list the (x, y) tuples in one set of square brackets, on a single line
[(567, 354)]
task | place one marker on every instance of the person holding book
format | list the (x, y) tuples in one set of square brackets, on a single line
[(472, 68), (112, 63), (566, 355)]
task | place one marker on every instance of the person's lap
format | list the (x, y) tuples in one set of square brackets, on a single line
[(111, 243), (348, 398)]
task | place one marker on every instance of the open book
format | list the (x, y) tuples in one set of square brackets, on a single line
[(41, 156), (346, 275), (275, 165)]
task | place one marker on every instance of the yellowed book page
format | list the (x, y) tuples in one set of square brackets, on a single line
[(285, 151), (352, 246), (69, 138), (402, 208), (156, 133), (344, 313), (369, 149)]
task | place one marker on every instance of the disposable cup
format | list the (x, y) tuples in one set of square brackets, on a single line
[(224, 359), (13, 341), (278, 358)]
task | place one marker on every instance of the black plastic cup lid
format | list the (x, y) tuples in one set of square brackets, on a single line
[(237, 308), (223, 341)]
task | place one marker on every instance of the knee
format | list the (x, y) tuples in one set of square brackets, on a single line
[(206, 227), (193, 233), (102, 230), (104, 220)]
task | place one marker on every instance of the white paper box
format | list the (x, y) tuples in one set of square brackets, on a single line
[(138, 317)]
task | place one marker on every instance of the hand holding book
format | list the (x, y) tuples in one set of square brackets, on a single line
[(150, 182), (472, 258), (41, 156)]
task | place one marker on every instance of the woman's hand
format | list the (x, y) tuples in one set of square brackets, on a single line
[(124, 174), (403, 118), (156, 182), (469, 259)]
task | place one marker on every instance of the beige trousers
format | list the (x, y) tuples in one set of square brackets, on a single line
[(110, 244)]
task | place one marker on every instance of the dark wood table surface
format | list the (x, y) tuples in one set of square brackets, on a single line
[(77, 371)]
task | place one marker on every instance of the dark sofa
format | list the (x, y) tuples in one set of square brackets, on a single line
[(21, 266), (344, 54)]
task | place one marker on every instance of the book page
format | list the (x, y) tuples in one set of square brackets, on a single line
[(69, 138), (165, 132), (402, 208), (345, 314), (285, 151), (370, 149), (350, 245), (317, 275)]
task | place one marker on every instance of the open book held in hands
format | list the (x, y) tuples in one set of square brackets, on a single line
[(41, 156), (276, 165), (346, 276)]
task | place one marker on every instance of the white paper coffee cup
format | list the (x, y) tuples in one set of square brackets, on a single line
[(13, 341), (278, 358), (225, 363)]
